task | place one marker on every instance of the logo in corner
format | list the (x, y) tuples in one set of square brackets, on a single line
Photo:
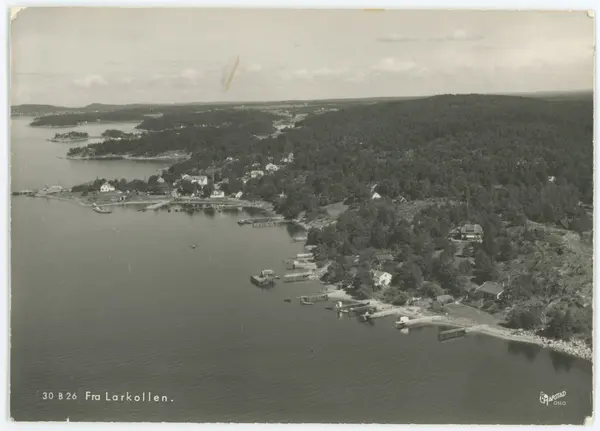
[(554, 400)]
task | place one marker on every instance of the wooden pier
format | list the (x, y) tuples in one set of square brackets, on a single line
[(272, 223), (452, 333), (255, 220), (158, 205), (315, 298), (298, 276)]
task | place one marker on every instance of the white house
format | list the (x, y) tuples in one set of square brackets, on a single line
[(288, 159), (256, 174), (238, 195), (382, 278), (271, 167), (376, 196), (551, 179), (160, 180), (106, 187), (217, 194)]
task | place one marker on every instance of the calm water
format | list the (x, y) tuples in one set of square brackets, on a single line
[(122, 303), (35, 162)]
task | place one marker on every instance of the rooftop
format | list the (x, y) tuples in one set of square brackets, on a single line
[(491, 287)]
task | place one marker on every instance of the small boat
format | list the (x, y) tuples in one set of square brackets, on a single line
[(328, 308), (305, 301), (193, 246), (101, 210), (287, 300), (266, 277)]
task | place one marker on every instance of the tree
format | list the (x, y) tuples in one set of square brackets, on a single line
[(431, 290), (505, 249), (528, 315), (484, 268)]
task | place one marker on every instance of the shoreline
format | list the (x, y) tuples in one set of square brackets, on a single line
[(63, 126), (127, 157), (572, 348)]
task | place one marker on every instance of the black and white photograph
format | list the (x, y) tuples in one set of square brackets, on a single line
[(300, 216)]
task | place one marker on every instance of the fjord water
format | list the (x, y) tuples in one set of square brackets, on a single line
[(121, 303), (36, 162)]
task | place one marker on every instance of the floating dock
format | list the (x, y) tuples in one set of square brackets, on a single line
[(304, 265), (298, 276), (272, 223), (254, 220), (452, 333), (314, 298), (415, 322)]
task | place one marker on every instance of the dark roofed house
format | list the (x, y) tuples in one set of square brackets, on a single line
[(471, 232), (384, 257), (489, 290)]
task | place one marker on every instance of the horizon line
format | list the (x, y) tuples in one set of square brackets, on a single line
[(247, 102)]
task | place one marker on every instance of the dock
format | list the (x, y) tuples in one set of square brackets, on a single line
[(315, 298), (392, 311), (298, 276), (452, 333), (271, 223), (304, 265), (416, 322), (158, 205), (259, 220)]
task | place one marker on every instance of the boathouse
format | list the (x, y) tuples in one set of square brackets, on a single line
[(490, 291)]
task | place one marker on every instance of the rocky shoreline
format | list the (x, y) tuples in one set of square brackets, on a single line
[(575, 348)]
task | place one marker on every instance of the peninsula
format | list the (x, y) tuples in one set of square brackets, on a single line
[(472, 205)]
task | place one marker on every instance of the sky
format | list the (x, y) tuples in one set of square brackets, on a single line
[(77, 56)]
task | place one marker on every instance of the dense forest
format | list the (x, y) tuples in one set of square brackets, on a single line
[(209, 135), (499, 161)]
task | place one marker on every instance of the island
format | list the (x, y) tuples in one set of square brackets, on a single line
[(473, 208), (69, 137)]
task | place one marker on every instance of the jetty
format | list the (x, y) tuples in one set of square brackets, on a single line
[(304, 265), (416, 322), (392, 311), (158, 205), (452, 333), (314, 298), (259, 220), (341, 307), (271, 223), (299, 238), (24, 193), (297, 276)]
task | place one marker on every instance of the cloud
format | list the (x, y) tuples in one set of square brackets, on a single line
[(89, 81), (255, 67), (189, 75), (391, 64), (396, 38), (458, 35), (308, 74), (357, 77)]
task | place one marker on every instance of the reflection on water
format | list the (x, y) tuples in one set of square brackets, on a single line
[(530, 351), (562, 362)]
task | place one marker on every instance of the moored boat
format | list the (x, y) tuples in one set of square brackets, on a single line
[(266, 278), (101, 210)]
